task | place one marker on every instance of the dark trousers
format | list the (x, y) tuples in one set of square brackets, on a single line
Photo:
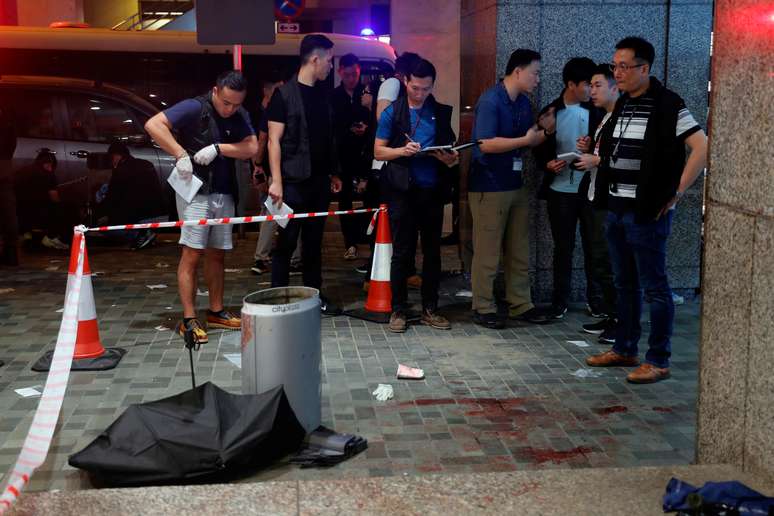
[(419, 211), (565, 210), (307, 196), (638, 253)]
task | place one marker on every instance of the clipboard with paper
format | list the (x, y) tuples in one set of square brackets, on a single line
[(450, 148)]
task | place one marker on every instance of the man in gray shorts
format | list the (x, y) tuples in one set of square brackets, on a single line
[(215, 129)]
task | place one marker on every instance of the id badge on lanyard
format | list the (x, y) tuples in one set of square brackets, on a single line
[(518, 164)]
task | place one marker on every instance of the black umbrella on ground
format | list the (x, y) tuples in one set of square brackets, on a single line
[(199, 435)]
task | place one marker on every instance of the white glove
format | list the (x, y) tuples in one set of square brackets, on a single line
[(383, 392), (184, 167), (206, 155)]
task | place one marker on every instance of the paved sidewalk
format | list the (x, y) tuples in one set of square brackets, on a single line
[(492, 401)]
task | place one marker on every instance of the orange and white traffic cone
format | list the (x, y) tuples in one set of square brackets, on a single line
[(378, 305), (89, 354)]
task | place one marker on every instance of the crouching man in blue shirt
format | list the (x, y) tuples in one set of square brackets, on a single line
[(415, 185)]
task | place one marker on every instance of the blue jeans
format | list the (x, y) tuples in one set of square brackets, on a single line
[(638, 257)]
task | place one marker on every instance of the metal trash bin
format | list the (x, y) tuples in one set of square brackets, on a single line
[(281, 346)]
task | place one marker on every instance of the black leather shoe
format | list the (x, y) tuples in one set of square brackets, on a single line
[(491, 321), (532, 316)]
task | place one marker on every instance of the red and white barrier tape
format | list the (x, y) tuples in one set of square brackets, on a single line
[(35, 450), (230, 220), (372, 224)]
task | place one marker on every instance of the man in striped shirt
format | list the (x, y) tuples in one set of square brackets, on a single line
[(643, 173)]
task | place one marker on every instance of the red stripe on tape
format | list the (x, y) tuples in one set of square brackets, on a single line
[(202, 222), (103, 228), (40, 424), (291, 215), (130, 226), (14, 491), (226, 220), (179, 223), (154, 225), (269, 217)]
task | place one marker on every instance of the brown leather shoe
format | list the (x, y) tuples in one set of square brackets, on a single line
[(431, 318), (398, 323), (612, 359), (648, 373)]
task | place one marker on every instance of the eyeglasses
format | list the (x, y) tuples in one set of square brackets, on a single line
[(623, 67)]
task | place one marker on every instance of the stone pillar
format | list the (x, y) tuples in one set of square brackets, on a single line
[(43, 12), (431, 28), (736, 384), (680, 32)]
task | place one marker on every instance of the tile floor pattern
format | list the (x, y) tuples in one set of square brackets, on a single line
[(492, 400)]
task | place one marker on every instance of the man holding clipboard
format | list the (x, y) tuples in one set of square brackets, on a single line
[(414, 184)]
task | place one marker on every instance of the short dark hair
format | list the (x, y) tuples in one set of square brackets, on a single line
[(405, 62), (423, 68), (348, 60), (46, 156), (232, 79), (604, 69), (119, 148), (577, 70), (312, 43), (520, 58), (641, 47)]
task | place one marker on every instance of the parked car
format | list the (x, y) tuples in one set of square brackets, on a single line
[(74, 118)]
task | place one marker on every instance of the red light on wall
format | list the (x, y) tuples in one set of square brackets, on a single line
[(68, 25)]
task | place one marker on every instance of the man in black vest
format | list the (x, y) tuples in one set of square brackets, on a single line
[(216, 130), (304, 166), (416, 186), (643, 173)]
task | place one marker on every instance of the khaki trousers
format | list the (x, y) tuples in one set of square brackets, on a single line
[(500, 227)]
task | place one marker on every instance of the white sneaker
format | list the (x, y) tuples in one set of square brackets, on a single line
[(53, 243), (351, 253), (464, 293)]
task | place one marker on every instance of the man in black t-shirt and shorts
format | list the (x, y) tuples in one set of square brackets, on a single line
[(302, 157)]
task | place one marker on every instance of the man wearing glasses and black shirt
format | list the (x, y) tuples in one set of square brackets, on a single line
[(643, 173)]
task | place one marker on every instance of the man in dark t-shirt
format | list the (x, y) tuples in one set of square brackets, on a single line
[(216, 130), (302, 155)]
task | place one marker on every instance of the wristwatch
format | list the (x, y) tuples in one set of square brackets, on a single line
[(217, 148)]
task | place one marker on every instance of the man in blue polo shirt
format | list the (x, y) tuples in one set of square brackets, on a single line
[(414, 184), (498, 201)]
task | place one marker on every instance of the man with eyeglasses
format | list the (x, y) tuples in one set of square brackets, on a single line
[(642, 174)]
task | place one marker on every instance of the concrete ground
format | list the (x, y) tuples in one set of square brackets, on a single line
[(492, 401)]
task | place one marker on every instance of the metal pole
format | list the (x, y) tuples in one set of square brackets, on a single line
[(238, 57)]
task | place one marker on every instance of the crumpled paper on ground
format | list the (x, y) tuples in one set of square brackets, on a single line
[(409, 373), (587, 373)]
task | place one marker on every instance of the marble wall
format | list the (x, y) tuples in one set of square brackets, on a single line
[(736, 386), (431, 28), (561, 29)]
